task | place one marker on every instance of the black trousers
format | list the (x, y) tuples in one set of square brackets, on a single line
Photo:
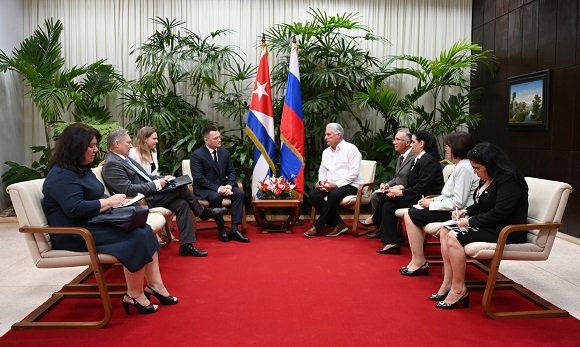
[(328, 208), (182, 202), (385, 218), (215, 200)]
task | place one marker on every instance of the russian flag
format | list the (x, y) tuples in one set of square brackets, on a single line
[(292, 127), (260, 124)]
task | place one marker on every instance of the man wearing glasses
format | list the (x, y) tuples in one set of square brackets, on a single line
[(402, 145), (338, 176)]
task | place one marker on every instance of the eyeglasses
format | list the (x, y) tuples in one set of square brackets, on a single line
[(399, 140)]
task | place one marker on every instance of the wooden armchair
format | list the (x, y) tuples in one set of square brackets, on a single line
[(547, 202), (186, 170), (362, 197), (26, 198)]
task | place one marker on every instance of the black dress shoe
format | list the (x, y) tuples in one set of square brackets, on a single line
[(212, 212), (463, 301), (438, 297), (423, 270), (235, 234), (374, 235), (223, 236), (189, 250), (394, 249)]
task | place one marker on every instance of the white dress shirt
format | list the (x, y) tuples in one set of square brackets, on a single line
[(341, 165)]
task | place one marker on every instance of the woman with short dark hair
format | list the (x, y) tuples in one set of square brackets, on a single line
[(73, 195), (456, 194), (501, 199)]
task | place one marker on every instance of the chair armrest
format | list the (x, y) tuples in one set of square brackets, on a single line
[(84, 233), (361, 187), (508, 229)]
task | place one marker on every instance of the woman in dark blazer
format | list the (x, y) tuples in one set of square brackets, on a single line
[(425, 178), (73, 194), (500, 199)]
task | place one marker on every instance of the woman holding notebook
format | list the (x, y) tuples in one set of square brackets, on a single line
[(501, 199)]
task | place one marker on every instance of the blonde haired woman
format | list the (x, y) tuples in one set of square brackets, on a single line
[(145, 153), (145, 150)]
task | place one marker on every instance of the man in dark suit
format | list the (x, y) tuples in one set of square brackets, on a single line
[(402, 145), (214, 178), (124, 175)]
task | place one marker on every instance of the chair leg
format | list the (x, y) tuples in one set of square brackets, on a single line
[(496, 281), (31, 321), (244, 218)]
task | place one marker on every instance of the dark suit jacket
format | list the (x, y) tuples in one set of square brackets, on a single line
[(426, 178), (504, 202), (120, 178), (207, 176), (402, 171)]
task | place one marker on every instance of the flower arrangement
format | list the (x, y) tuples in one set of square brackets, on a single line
[(275, 188)]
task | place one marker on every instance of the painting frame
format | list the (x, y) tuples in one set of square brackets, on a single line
[(528, 101)]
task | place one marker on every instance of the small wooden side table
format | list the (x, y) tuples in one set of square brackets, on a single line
[(262, 206)]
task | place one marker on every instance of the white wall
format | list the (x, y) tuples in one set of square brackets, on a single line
[(11, 119)]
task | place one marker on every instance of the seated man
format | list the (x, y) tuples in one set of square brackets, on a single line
[(402, 145), (338, 177), (123, 175), (214, 178)]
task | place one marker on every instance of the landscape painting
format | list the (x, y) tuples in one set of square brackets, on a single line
[(528, 100)]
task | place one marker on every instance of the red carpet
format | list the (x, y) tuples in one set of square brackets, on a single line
[(285, 290)]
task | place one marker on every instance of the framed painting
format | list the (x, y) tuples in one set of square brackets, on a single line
[(528, 100)]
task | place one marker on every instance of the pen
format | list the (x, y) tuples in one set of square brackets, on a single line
[(456, 213)]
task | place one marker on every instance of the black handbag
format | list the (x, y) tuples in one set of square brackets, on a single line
[(126, 218)]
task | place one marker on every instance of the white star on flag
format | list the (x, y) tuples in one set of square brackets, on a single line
[(260, 89)]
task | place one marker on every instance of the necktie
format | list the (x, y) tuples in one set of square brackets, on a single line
[(401, 159), (215, 158), (136, 169)]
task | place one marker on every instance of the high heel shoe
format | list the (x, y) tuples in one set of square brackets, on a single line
[(438, 297), (164, 300), (463, 301), (423, 270), (129, 301), (394, 249), (403, 269)]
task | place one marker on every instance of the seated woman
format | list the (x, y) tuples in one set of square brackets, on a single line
[(456, 194), (145, 150), (72, 195), (425, 178), (500, 199), (145, 153)]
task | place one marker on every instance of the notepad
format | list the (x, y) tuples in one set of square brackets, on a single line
[(138, 197)]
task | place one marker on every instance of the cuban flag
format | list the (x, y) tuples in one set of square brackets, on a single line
[(260, 124), (292, 127)]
